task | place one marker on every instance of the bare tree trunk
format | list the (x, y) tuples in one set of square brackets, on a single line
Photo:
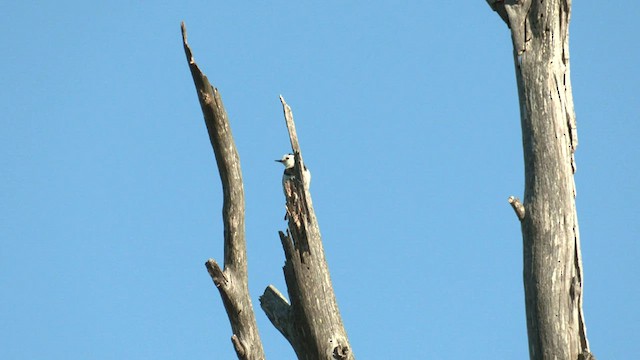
[(312, 322), (553, 279), (232, 282)]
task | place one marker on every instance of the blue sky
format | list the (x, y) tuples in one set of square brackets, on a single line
[(407, 115)]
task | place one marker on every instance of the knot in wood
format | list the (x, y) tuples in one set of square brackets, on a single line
[(341, 352), (586, 355)]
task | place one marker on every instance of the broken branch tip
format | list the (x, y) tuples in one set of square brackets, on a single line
[(517, 206)]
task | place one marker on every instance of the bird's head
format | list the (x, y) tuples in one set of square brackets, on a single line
[(287, 160)]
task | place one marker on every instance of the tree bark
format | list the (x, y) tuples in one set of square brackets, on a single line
[(311, 322), (553, 276), (232, 282)]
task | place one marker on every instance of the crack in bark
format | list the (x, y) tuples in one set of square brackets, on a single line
[(549, 137), (584, 342)]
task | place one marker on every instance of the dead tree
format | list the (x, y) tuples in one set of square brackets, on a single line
[(553, 276), (232, 282), (311, 321)]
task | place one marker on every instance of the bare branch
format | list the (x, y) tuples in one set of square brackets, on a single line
[(228, 162), (278, 310), (291, 126), (232, 282), (517, 207), (312, 323), (217, 275)]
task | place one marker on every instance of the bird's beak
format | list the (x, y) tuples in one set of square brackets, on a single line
[(279, 161)]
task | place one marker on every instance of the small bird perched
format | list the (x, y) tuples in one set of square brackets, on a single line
[(288, 160)]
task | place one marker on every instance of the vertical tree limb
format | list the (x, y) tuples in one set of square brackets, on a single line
[(232, 282), (553, 276), (311, 323)]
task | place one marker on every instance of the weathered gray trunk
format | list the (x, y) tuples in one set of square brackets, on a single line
[(232, 282), (553, 278), (312, 321)]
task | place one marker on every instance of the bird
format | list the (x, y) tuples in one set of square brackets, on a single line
[(288, 160)]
